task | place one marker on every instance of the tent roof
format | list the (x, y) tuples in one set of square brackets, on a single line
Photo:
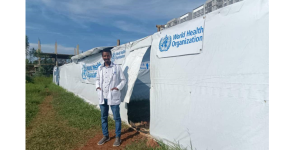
[(89, 53)]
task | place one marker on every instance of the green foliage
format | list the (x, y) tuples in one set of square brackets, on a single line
[(68, 124), (31, 55), (142, 144), (29, 79), (43, 81), (27, 45)]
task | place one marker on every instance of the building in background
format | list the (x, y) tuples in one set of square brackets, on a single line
[(185, 17), (207, 7), (198, 12), (172, 22)]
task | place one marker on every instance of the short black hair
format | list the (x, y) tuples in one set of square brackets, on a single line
[(106, 50)]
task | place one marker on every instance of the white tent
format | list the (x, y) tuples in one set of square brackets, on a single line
[(209, 78), (79, 77), (215, 96)]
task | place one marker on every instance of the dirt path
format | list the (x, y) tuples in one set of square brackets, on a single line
[(44, 112), (127, 136)]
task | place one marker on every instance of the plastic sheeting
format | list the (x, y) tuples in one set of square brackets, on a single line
[(79, 77), (131, 69), (119, 54), (56, 75), (141, 89), (89, 66), (144, 42), (217, 99), (87, 53)]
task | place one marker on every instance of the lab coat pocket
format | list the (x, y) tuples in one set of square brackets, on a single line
[(116, 94)]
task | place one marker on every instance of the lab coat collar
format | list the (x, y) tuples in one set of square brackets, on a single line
[(111, 64)]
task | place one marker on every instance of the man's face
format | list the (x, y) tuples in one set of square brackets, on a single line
[(106, 57)]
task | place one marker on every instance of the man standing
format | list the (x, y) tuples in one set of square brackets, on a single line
[(109, 81)]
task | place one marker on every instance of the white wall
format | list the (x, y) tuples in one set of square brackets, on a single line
[(217, 99)]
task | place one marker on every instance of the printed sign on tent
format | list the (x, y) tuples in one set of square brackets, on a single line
[(145, 65), (118, 54), (182, 39), (89, 72)]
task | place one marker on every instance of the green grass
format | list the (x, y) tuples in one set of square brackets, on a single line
[(78, 113), (68, 122), (57, 119), (35, 94), (142, 145)]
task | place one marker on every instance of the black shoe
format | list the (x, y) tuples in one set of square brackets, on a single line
[(103, 140), (117, 142)]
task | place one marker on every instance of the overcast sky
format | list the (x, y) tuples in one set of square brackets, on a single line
[(94, 23)]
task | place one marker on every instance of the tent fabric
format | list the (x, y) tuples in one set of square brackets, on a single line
[(119, 54), (143, 42), (56, 75), (131, 69), (88, 53), (79, 77), (141, 89), (217, 99), (89, 66)]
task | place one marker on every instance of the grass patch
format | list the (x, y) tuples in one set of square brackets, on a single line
[(142, 144), (57, 119), (77, 112), (35, 94)]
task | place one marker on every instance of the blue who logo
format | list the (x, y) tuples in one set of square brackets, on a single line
[(165, 43), (83, 72)]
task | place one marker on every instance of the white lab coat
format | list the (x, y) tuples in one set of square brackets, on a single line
[(116, 80)]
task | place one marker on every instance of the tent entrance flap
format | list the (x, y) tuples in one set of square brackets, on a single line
[(131, 69)]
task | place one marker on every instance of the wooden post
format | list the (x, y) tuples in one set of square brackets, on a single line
[(158, 27), (118, 42)]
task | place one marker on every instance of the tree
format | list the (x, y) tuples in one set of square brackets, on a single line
[(31, 54), (27, 46)]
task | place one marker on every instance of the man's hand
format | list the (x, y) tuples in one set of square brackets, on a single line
[(115, 88), (98, 88)]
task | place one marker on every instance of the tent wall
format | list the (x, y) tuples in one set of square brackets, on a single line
[(217, 99), (141, 90), (79, 78), (131, 69), (56, 75)]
